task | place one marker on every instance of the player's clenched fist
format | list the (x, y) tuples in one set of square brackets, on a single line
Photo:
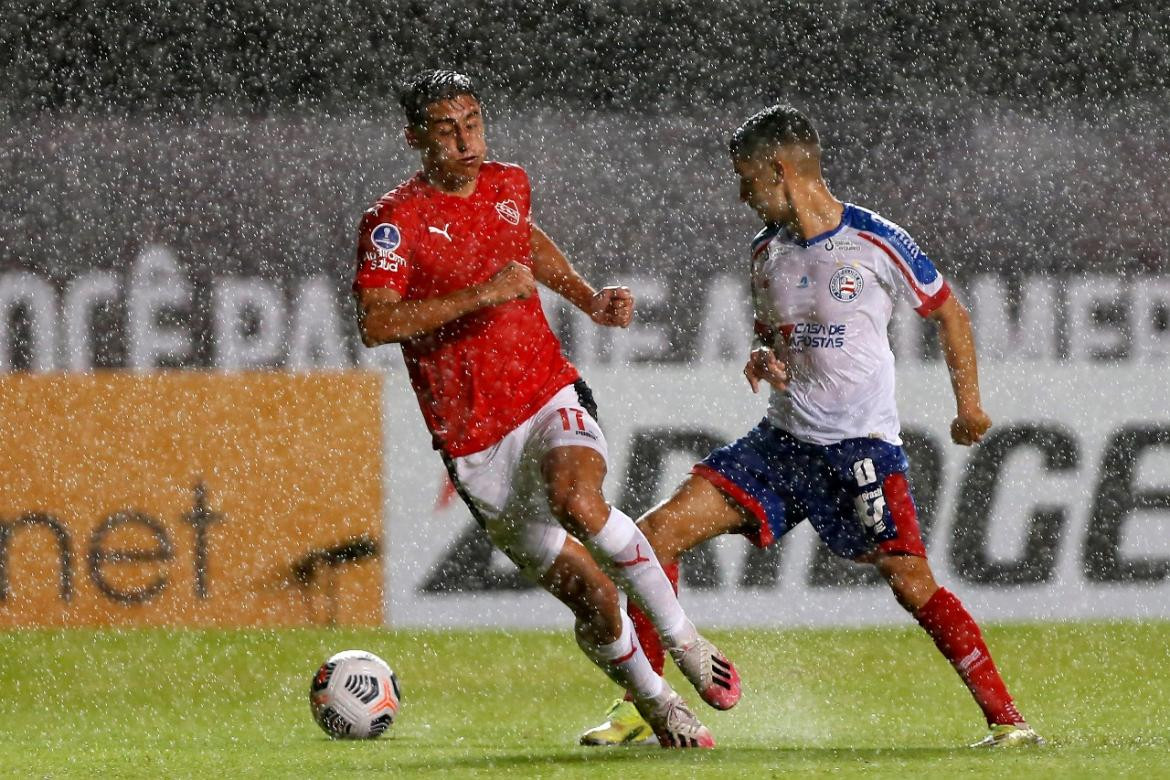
[(763, 365), (512, 282), (968, 427), (613, 306)]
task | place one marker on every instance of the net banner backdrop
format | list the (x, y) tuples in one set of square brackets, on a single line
[(211, 241), (1063, 512), (190, 499)]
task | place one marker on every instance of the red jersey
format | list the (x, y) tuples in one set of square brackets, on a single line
[(481, 375)]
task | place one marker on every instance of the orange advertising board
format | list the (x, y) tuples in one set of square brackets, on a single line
[(192, 499)]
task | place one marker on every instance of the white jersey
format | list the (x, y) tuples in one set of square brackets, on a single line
[(824, 305)]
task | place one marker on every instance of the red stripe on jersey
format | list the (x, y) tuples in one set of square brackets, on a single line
[(936, 300), (926, 303)]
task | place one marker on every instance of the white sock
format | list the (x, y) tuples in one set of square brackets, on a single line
[(622, 550), (625, 663)]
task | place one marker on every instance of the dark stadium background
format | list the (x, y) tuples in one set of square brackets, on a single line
[(1014, 137)]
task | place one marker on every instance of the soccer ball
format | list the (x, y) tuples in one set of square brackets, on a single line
[(354, 695)]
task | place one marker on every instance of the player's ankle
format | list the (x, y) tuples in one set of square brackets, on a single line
[(658, 699), (681, 635)]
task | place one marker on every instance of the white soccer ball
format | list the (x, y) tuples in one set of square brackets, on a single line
[(354, 695)]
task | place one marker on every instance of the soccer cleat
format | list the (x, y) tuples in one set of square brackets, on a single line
[(713, 676), (1009, 735), (623, 725), (674, 724)]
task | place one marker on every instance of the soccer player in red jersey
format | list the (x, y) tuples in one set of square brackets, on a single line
[(448, 264), (825, 276)]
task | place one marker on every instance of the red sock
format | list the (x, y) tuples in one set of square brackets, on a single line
[(647, 634), (958, 638)]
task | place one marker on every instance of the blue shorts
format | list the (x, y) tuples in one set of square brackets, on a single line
[(855, 492)]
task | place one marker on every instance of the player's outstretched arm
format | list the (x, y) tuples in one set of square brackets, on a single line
[(384, 318), (612, 306), (958, 348)]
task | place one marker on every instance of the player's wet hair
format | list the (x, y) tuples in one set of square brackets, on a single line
[(776, 125), (431, 86)]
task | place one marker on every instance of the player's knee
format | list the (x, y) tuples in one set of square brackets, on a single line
[(595, 601), (909, 577), (582, 510)]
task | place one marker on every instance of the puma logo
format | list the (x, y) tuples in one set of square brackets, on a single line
[(627, 656), (638, 558), (970, 661), (442, 232)]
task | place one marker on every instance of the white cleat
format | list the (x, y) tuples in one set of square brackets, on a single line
[(709, 670)]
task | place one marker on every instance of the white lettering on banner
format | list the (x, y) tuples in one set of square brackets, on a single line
[(156, 288), (34, 295), (585, 338), (1098, 319), (385, 359), (82, 295), (238, 303), (1151, 320), (316, 330), (726, 327), (1030, 336), (1147, 534), (560, 316), (1094, 319), (646, 340), (1036, 523)]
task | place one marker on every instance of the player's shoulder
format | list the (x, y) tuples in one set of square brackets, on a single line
[(500, 168), (403, 200), (873, 224), (504, 173)]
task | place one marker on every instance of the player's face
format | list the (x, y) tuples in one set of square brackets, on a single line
[(452, 143), (761, 186)]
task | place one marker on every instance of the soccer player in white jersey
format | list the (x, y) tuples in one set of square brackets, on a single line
[(825, 276)]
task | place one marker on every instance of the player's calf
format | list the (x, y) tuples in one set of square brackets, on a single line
[(909, 577), (958, 638)]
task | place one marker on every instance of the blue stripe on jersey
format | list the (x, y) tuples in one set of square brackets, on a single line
[(916, 260)]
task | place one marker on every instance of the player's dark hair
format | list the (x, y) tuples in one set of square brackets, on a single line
[(431, 86), (776, 125)]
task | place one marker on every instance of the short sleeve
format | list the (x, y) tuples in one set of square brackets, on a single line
[(905, 268), (385, 240)]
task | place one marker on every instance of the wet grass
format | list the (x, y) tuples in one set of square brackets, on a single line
[(860, 703)]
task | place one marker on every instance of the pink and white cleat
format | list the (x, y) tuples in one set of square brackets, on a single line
[(674, 724), (712, 674)]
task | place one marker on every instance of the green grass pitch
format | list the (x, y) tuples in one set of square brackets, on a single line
[(847, 703)]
